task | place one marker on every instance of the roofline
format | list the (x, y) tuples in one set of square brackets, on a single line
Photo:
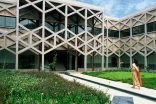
[(8, 2), (132, 14), (111, 18), (139, 12), (80, 4)]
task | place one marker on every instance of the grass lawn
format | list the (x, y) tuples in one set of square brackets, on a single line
[(148, 79), (45, 88)]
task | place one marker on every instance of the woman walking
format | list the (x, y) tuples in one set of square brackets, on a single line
[(136, 75)]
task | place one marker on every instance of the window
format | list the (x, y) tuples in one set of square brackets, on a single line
[(125, 33), (30, 24), (2, 21), (113, 33), (24, 22), (97, 31), (151, 27), (138, 30), (7, 21), (10, 22), (105, 32)]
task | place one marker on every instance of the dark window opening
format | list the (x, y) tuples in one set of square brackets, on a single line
[(125, 33), (113, 33), (138, 30), (151, 26)]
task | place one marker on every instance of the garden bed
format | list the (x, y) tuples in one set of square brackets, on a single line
[(46, 88)]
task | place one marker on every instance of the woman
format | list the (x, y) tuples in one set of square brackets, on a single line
[(136, 75)]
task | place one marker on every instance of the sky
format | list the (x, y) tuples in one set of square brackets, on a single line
[(120, 8)]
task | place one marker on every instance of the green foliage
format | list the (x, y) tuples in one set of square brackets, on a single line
[(54, 61), (148, 79), (47, 88), (4, 64)]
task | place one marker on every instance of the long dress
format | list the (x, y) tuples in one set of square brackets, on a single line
[(136, 76)]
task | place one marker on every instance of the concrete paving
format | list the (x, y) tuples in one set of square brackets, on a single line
[(142, 96)]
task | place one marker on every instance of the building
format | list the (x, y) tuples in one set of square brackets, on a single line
[(32, 31)]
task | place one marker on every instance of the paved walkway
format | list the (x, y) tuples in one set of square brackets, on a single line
[(142, 96)]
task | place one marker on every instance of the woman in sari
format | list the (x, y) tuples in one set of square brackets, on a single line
[(136, 75)]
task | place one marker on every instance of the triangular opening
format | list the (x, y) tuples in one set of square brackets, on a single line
[(138, 16), (59, 40), (9, 41), (72, 42), (70, 10), (26, 39), (35, 39), (140, 46), (133, 41), (38, 33), (76, 8), (94, 11), (48, 5), (12, 47), (38, 47), (148, 39), (89, 37), (148, 16), (70, 34), (152, 19), (91, 43), (142, 50), (12, 35), (89, 48), (47, 46), (133, 51), (89, 13), (22, 2), (39, 5), (55, 3), (128, 51), (142, 39), (4, 12), (21, 46), (48, 32), (142, 18), (122, 47), (151, 45), (62, 9), (79, 41), (82, 12), (148, 50), (117, 52)]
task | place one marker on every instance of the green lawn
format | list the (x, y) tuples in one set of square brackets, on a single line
[(148, 79)]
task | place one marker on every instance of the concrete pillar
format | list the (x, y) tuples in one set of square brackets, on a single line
[(85, 62), (17, 30), (107, 62), (119, 65), (43, 31)]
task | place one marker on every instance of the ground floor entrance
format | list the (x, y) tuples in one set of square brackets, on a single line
[(65, 60)]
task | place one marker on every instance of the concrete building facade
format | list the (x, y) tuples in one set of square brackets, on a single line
[(32, 31)]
